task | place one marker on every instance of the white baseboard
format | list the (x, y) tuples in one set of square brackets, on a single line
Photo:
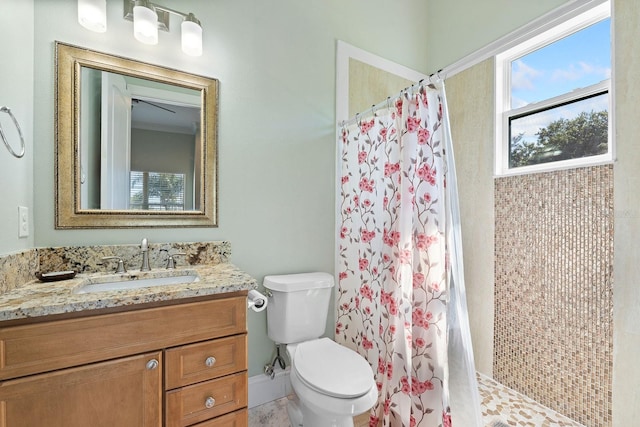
[(263, 389)]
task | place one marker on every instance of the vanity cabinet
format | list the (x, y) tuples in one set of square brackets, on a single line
[(177, 365)]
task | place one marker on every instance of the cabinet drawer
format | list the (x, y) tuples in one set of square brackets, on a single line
[(195, 403), (234, 419), (47, 346), (195, 363)]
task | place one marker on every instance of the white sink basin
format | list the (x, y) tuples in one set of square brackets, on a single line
[(134, 281)]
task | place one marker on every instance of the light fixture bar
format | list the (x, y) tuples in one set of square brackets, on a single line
[(142, 13), (163, 15), (169, 10)]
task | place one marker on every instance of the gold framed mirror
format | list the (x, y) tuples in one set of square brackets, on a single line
[(135, 143)]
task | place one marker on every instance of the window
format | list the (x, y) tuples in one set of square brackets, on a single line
[(552, 100), (159, 191)]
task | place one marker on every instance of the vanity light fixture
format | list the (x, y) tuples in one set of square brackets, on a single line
[(191, 36), (147, 19), (92, 14), (145, 22)]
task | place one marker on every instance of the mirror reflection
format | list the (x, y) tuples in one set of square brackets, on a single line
[(139, 143)]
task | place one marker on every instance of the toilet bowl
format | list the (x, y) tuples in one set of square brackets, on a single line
[(332, 383)]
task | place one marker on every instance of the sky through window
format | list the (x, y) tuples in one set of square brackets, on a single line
[(576, 61)]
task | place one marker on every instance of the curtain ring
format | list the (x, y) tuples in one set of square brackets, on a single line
[(4, 137)]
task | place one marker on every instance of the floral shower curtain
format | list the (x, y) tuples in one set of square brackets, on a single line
[(394, 302)]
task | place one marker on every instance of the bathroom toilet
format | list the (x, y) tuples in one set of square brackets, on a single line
[(332, 383)]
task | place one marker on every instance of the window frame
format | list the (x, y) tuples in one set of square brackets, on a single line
[(504, 113)]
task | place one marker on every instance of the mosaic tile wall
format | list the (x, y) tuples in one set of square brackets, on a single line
[(553, 337)]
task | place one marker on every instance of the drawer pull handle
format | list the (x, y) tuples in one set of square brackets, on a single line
[(210, 361), (209, 402), (152, 364)]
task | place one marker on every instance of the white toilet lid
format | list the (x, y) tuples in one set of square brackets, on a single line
[(333, 369)]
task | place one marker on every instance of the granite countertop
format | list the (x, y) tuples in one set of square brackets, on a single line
[(36, 299)]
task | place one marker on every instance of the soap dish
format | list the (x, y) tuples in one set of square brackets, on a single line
[(55, 276)]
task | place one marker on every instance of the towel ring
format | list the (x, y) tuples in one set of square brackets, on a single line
[(4, 137)]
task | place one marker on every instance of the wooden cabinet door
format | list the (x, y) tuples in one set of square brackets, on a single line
[(121, 392)]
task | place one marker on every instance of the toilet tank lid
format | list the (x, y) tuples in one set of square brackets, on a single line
[(298, 282)]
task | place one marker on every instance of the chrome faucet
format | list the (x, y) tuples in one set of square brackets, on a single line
[(145, 255), (171, 261)]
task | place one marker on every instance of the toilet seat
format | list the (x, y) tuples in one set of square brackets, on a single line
[(332, 369)]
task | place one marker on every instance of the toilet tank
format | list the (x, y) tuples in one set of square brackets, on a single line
[(298, 306)]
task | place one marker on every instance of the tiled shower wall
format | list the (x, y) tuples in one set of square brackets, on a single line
[(553, 290)]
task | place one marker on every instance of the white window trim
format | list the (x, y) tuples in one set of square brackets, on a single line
[(503, 98)]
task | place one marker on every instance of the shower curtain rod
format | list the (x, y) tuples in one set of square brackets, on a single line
[(387, 102)]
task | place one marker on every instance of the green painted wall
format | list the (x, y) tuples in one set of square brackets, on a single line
[(16, 92), (459, 28)]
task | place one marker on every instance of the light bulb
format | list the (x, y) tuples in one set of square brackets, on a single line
[(92, 14), (191, 36), (145, 23)]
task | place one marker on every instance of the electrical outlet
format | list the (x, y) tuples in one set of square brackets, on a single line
[(23, 221)]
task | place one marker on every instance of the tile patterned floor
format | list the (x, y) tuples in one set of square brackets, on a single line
[(504, 405), (501, 407), (272, 414)]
